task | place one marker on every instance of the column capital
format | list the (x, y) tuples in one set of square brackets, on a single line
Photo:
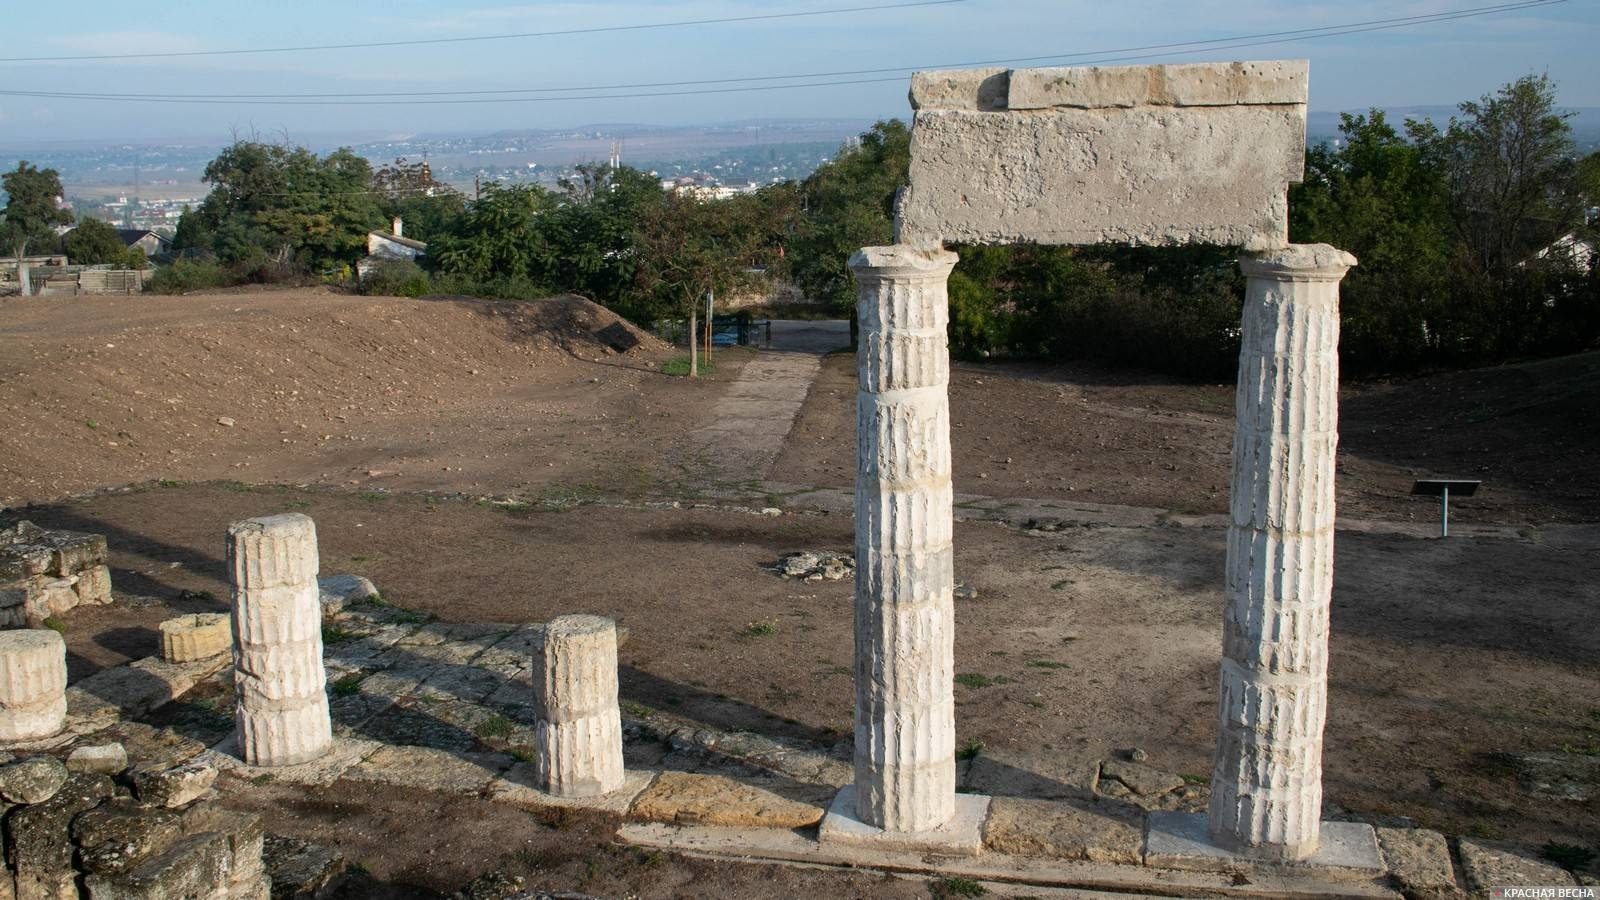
[(1298, 262), (902, 261)]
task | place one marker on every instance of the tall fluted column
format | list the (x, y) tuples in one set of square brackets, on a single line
[(579, 726), (905, 779), (1266, 789), (282, 712)]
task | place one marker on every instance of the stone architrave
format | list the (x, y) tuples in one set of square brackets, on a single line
[(1266, 789), (33, 684), (1200, 153), (282, 713), (579, 727), (905, 778)]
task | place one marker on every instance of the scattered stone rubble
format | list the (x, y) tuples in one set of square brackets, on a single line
[(44, 573), (816, 565)]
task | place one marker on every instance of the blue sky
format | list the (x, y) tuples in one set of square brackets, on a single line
[(1432, 64)]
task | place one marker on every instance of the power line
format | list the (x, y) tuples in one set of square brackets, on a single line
[(1257, 39), (762, 17), (1095, 57)]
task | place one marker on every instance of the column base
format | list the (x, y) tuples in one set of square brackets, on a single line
[(961, 836), (1180, 841)]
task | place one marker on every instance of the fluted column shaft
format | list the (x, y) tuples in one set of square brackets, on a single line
[(282, 712), (904, 616), (1266, 789), (579, 727), (33, 684)]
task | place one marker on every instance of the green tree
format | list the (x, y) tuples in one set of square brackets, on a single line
[(409, 191), (94, 241), (688, 248), (1379, 197), (28, 220), (847, 204), (498, 238), (1509, 168)]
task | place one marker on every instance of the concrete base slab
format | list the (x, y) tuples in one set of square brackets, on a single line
[(961, 836), (340, 758), (1179, 841), (516, 787), (791, 847)]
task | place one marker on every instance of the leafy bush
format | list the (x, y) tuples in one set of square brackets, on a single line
[(396, 278), (187, 275)]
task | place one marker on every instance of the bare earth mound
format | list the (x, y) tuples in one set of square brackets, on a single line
[(310, 386)]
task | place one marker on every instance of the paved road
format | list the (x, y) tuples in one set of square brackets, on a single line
[(750, 423)]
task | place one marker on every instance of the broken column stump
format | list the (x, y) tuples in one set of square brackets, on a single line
[(282, 714), (33, 684), (579, 730)]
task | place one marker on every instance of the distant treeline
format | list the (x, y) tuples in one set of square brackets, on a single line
[(1465, 233)]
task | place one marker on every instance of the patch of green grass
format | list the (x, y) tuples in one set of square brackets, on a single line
[(56, 625), (956, 887), (348, 684), (263, 778), (974, 680), (760, 629), (1571, 857), (530, 857), (637, 710), (679, 365), (1047, 664), (373, 496), (1061, 585), (522, 753), (407, 617), (970, 749), (358, 558), (333, 634), (494, 727), (358, 870), (1195, 779), (90, 424), (170, 483), (1034, 704)]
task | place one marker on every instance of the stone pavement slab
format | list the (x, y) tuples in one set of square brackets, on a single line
[(961, 836), (430, 769), (516, 787), (1179, 841), (344, 754)]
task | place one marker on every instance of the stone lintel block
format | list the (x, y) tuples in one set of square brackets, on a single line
[(962, 835), (1179, 841), (1162, 155), (195, 637), (1255, 83), (273, 551)]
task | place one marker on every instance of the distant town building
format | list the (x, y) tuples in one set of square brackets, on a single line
[(151, 243)]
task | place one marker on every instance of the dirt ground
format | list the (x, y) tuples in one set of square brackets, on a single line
[(1020, 430), (1446, 655)]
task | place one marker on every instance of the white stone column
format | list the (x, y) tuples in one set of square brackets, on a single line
[(33, 684), (905, 777), (579, 728), (282, 712), (1266, 789)]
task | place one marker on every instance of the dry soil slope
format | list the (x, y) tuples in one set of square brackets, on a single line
[(109, 389)]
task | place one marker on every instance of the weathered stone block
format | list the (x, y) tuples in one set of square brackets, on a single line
[(1495, 864), (1095, 832), (176, 786), (199, 636), (33, 684), (94, 585), (195, 866), (38, 839), (1419, 860), (684, 799), (121, 833), (33, 780), (1166, 154)]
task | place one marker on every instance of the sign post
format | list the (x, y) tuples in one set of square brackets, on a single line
[(1442, 488)]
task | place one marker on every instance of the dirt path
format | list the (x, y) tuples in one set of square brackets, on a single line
[(749, 424)]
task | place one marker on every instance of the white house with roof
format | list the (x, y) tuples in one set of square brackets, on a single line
[(390, 246)]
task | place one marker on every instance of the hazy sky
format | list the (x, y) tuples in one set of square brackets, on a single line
[(1438, 63)]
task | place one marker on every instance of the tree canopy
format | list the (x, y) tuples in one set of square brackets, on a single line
[(28, 220)]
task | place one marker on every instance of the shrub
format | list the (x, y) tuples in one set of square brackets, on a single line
[(396, 278), (187, 275)]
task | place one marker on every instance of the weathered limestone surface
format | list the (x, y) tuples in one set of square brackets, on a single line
[(198, 636), (282, 713), (1266, 796), (905, 775), (1164, 154), (33, 684), (45, 573), (579, 725)]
